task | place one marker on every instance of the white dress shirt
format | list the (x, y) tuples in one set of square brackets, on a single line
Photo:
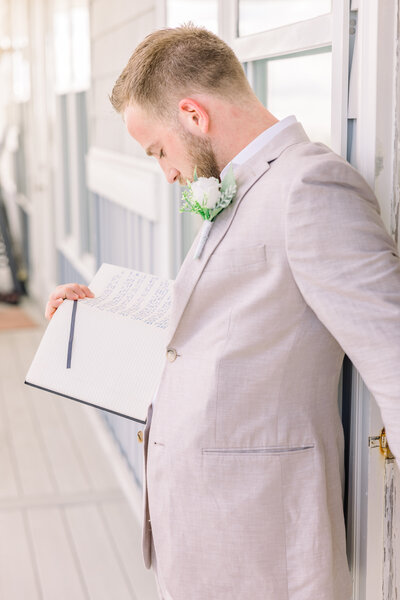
[(249, 151), (258, 143)]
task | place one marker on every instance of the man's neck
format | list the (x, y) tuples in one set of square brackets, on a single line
[(237, 127)]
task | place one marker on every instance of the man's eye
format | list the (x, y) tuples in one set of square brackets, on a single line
[(162, 153)]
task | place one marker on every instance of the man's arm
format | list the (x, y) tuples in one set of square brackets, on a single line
[(347, 268)]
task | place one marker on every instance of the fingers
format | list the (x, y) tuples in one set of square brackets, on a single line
[(51, 307), (71, 291), (87, 291)]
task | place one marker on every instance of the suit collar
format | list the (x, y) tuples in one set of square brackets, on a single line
[(264, 138), (246, 176)]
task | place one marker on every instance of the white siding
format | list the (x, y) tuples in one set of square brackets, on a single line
[(116, 29)]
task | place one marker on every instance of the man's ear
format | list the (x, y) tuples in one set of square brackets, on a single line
[(193, 116)]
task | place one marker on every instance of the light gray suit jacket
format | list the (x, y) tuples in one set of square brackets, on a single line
[(243, 454)]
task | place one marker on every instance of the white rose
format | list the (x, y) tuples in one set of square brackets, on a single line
[(206, 188)]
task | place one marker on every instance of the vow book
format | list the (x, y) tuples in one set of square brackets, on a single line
[(108, 351)]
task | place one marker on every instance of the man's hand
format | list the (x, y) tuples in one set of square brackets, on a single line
[(72, 291)]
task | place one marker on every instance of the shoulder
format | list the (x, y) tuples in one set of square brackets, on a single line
[(331, 210), (323, 180)]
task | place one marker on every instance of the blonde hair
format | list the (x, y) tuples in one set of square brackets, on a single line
[(174, 62)]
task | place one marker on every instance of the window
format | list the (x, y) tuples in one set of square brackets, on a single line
[(72, 80), (261, 15), (295, 55), (71, 45), (298, 84), (65, 161)]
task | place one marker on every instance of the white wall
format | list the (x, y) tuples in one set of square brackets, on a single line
[(116, 29)]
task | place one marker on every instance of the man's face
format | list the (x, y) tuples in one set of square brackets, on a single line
[(177, 150)]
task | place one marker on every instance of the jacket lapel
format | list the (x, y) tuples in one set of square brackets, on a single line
[(246, 176)]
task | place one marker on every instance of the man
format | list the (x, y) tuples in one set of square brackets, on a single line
[(243, 444)]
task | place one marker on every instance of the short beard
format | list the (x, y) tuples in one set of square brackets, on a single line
[(201, 152)]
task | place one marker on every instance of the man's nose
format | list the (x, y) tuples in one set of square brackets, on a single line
[(172, 175)]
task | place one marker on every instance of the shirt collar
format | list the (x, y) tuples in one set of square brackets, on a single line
[(258, 142)]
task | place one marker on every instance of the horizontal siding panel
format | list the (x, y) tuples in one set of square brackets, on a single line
[(106, 16), (109, 132), (100, 102), (132, 183), (111, 52)]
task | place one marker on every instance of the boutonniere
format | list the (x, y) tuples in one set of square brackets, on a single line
[(207, 196)]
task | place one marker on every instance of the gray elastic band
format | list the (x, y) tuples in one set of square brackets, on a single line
[(71, 334)]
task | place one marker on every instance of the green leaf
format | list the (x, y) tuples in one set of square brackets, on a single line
[(228, 180), (227, 193)]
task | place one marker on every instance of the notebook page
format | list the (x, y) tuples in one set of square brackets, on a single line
[(118, 350)]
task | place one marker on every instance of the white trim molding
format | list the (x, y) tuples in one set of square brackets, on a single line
[(305, 35), (130, 182), (85, 264), (340, 75)]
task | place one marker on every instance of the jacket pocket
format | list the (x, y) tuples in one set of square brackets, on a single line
[(261, 450), (237, 259)]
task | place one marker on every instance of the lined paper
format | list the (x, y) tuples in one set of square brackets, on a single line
[(119, 345)]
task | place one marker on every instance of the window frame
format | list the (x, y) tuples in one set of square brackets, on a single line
[(71, 141), (330, 29)]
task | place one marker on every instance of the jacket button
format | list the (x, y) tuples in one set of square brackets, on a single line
[(140, 436), (171, 354)]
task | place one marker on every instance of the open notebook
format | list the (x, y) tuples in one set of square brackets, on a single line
[(108, 351)]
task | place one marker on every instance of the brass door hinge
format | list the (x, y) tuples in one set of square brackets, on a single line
[(380, 441)]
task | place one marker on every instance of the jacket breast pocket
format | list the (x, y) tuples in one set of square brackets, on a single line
[(262, 450), (237, 259)]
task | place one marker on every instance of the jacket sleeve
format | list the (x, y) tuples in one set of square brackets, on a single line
[(347, 267)]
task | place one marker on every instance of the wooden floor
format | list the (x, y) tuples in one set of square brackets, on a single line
[(67, 530)]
